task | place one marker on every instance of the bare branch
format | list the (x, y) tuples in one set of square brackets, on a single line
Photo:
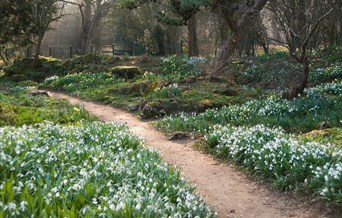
[(306, 42)]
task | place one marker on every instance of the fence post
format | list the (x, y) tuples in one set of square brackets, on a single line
[(91, 48), (50, 51), (28, 52), (70, 51), (113, 49), (181, 47), (134, 48)]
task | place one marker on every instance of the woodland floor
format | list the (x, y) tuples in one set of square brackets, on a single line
[(230, 192)]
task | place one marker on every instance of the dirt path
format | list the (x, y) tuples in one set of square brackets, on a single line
[(229, 192)]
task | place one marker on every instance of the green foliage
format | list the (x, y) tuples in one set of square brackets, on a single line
[(15, 22), (18, 108), (89, 170), (291, 163), (330, 135), (273, 74), (300, 115), (167, 92), (181, 65), (25, 69), (322, 75)]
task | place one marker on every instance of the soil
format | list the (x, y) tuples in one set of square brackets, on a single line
[(229, 191)]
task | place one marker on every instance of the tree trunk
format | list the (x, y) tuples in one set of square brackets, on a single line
[(192, 36), (37, 52), (224, 55), (299, 89), (85, 41), (38, 45), (3, 55)]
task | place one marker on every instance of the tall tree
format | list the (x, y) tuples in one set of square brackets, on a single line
[(92, 13), (298, 21)]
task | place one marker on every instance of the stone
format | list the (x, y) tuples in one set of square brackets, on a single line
[(126, 72), (179, 136), (151, 111), (39, 93), (133, 107), (229, 92), (204, 104)]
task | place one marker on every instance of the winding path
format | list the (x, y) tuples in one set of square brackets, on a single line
[(227, 190)]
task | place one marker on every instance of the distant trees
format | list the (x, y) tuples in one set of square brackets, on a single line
[(24, 22), (177, 13), (92, 12)]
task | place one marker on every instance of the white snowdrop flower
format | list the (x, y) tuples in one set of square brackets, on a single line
[(138, 206), (23, 205), (120, 206), (55, 189), (11, 206), (94, 200), (112, 207)]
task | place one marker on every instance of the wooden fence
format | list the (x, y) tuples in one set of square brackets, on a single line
[(67, 51)]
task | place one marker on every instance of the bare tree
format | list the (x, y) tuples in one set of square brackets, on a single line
[(298, 21), (45, 12), (240, 27), (92, 13)]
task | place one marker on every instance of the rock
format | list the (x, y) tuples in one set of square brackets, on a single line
[(39, 93), (229, 92), (126, 72), (150, 111), (133, 107), (323, 125), (179, 136), (204, 104)]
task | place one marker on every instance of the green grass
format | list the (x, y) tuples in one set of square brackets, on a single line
[(330, 135), (88, 170), (17, 108)]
